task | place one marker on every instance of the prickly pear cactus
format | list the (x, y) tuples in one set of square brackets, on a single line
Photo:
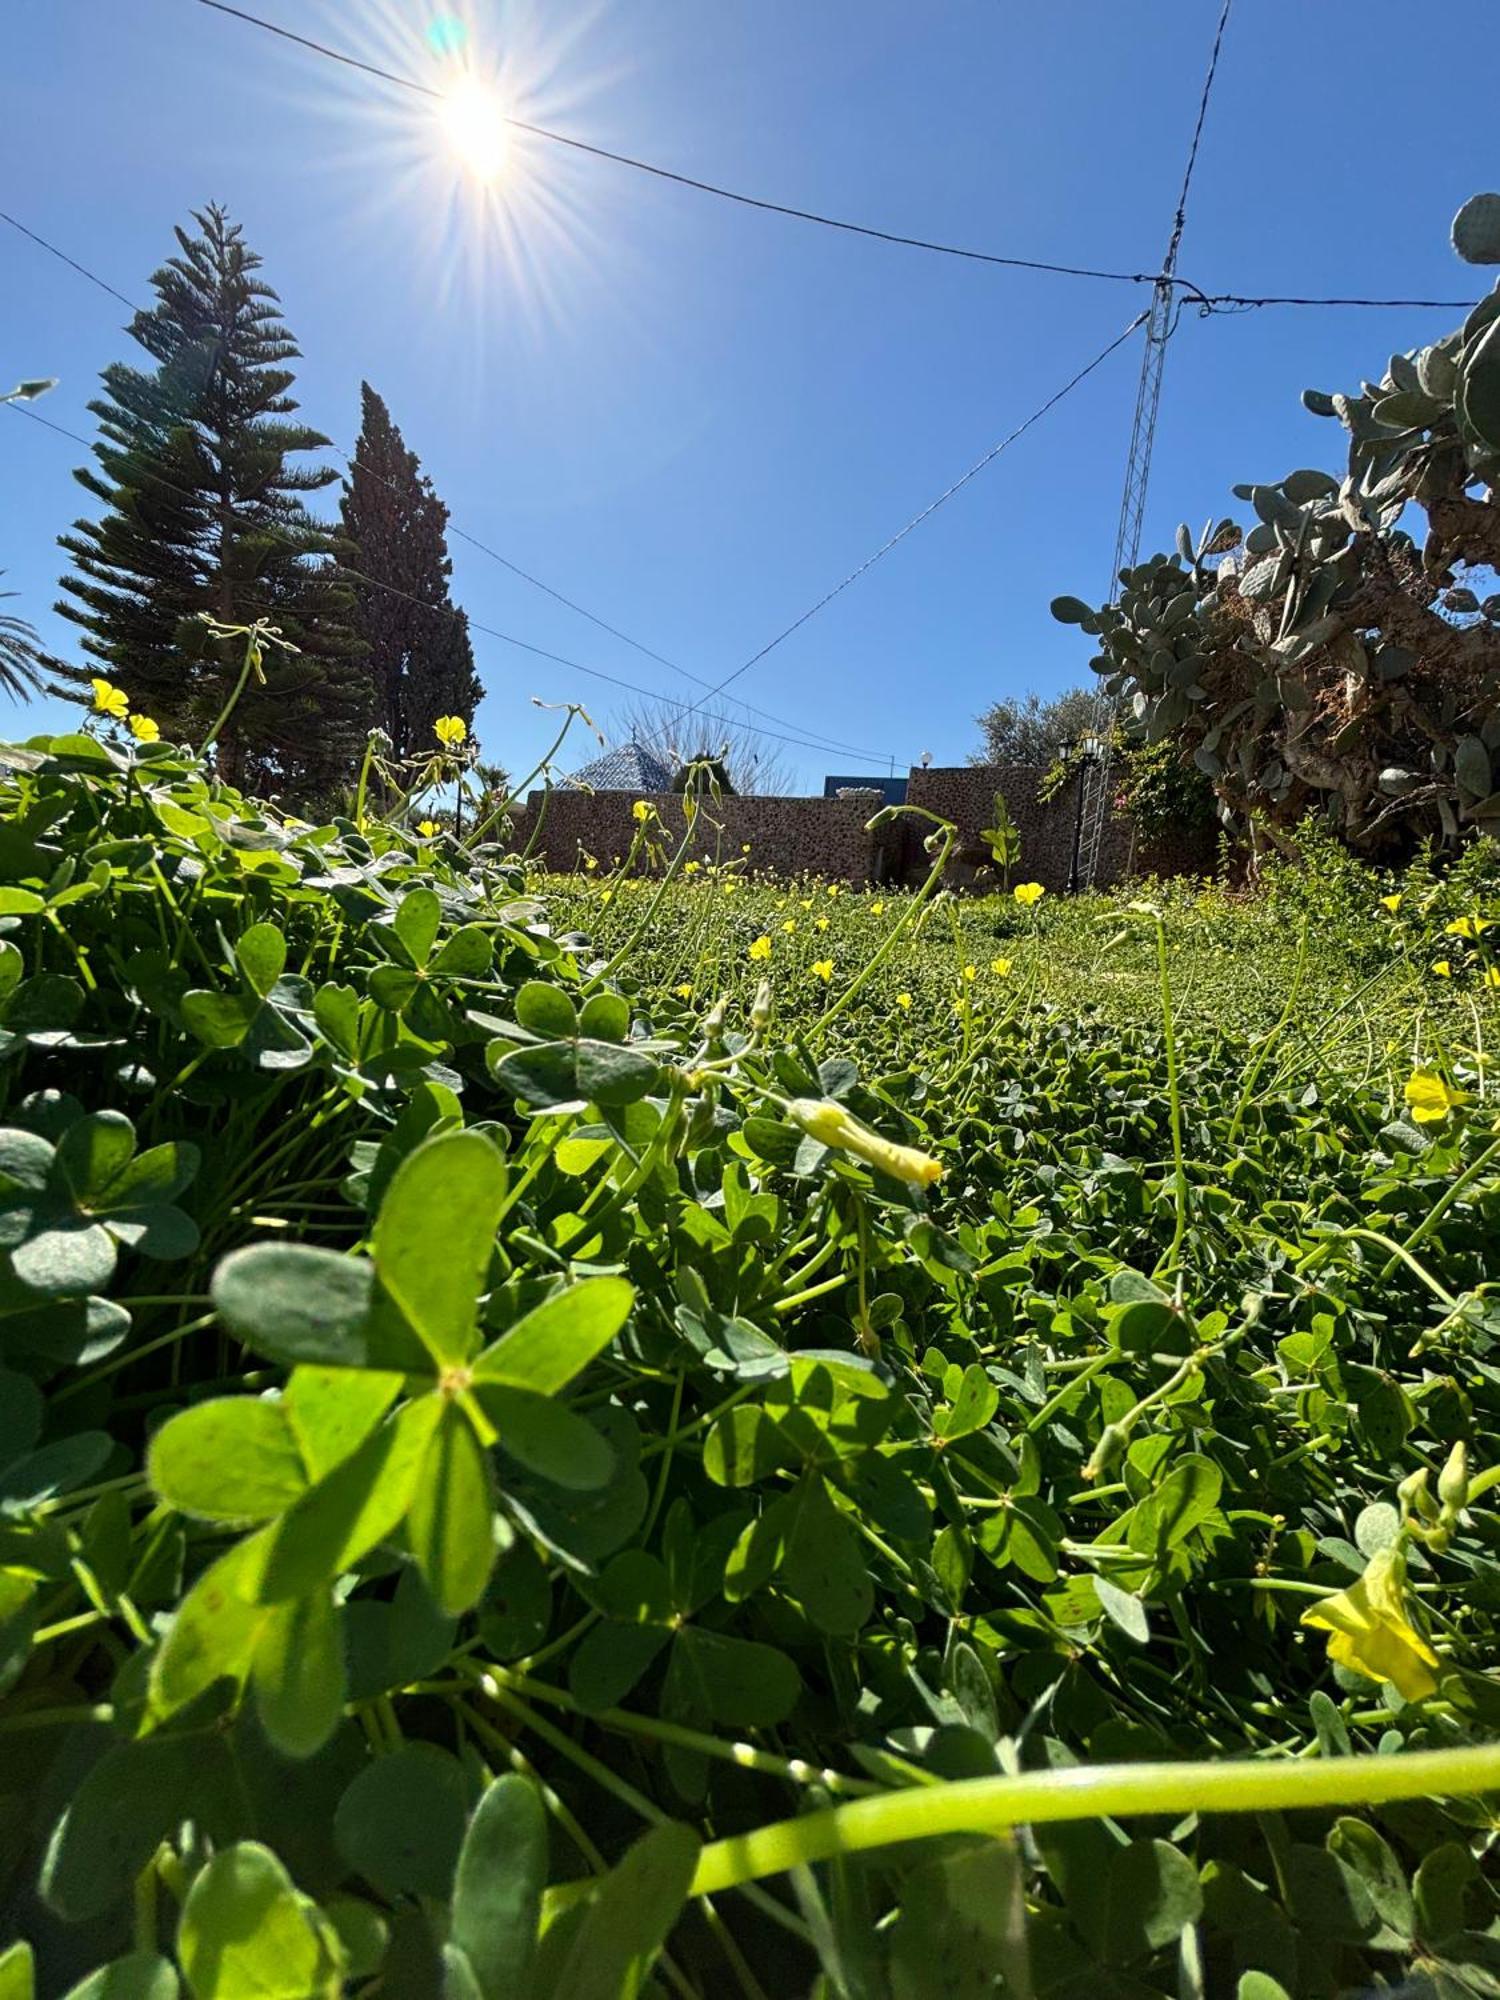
[(1324, 659)]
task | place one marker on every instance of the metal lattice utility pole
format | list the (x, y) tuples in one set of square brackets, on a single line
[(1096, 777), (1160, 323)]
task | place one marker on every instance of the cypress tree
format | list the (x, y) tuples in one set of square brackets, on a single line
[(204, 514), (395, 535)]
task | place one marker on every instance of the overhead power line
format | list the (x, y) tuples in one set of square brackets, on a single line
[(871, 757), (699, 186), (687, 180), (72, 262), (827, 745), (1213, 301), (931, 508)]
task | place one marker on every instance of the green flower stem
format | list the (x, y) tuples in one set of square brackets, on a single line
[(1285, 1583), (1174, 1102), (994, 1805), (514, 797), (364, 781), (659, 1496), (948, 834), (252, 659), (1087, 1373), (1441, 1206), (536, 832), (519, 1761), (134, 1354), (796, 1299), (55, 1718), (674, 867), (1268, 1042), (80, 1622), (601, 1774), (1399, 1251), (795, 1770)]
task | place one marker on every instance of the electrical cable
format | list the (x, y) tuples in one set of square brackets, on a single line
[(449, 611), (700, 186), (829, 745), (931, 508), (689, 180), (1179, 219)]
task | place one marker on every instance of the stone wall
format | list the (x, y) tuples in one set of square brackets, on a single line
[(964, 793), (827, 837), (785, 836)]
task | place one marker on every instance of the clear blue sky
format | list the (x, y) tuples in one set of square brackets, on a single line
[(695, 419)]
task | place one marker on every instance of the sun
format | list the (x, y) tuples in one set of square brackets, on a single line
[(477, 131)]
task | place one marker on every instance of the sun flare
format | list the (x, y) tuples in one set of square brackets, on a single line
[(474, 123)]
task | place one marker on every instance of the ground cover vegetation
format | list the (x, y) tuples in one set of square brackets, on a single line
[(685, 1434)]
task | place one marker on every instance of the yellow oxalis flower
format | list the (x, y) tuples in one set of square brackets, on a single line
[(730, 888), (1027, 893), (427, 828), (903, 1000), (684, 991), (1391, 903), (606, 895), (807, 902), (144, 728), (761, 948), (1442, 969), (823, 967), (1466, 927), (1370, 1631), (1430, 1097), (1000, 967), (640, 812), (833, 888), (828, 1122), (790, 925), (877, 909), (745, 848), (451, 731), (971, 972), (822, 924), (109, 700), (691, 867)]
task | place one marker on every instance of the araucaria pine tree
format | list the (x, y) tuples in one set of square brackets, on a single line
[(419, 659), (204, 517)]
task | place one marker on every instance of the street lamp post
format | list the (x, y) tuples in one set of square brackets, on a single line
[(1089, 750)]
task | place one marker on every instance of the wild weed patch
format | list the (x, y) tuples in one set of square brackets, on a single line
[(720, 1437)]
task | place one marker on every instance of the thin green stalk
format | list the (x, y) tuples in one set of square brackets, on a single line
[(1398, 1251), (795, 1770), (909, 916), (994, 1805), (649, 916), (50, 1718), (1174, 1102), (252, 660), (1441, 1206), (1268, 1042), (795, 1299)]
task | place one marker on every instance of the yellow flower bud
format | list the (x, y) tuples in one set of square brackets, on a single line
[(1453, 1480), (829, 1123)]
